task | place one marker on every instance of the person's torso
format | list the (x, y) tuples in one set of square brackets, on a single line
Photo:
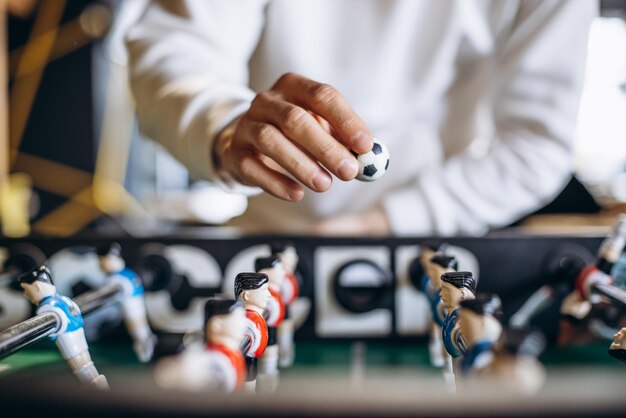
[(413, 70)]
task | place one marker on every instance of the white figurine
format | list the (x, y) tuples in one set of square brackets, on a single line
[(133, 302), (70, 336)]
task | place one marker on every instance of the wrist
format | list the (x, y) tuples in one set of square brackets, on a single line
[(222, 144), (221, 147)]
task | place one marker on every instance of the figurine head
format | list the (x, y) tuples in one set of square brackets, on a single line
[(37, 284), (253, 290), (110, 258), (618, 346), (287, 253), (440, 264), (457, 287), (225, 322), (272, 267), (429, 248), (619, 340), (477, 319), (427, 251)]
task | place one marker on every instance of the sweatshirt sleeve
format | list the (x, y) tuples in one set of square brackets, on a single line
[(189, 72), (539, 73)]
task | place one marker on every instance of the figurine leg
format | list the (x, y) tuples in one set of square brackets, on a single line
[(448, 374), (74, 349), (268, 370), (435, 345), (286, 348), (250, 387), (136, 322)]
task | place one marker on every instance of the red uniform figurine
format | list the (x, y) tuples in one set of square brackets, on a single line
[(268, 363), (290, 290), (220, 364), (253, 290)]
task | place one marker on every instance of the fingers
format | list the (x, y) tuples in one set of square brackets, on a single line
[(327, 102), (249, 169), (289, 135), (304, 130), (269, 141)]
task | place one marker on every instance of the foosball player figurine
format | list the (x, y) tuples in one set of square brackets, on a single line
[(218, 366), (515, 368), (290, 289), (479, 329), (456, 287), (583, 301), (430, 287), (133, 302), (70, 337), (439, 265), (268, 363), (253, 290), (618, 346)]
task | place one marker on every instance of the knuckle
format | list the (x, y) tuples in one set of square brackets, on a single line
[(244, 166), (328, 153), (297, 167), (285, 80), (322, 94), (349, 124), (264, 136), (261, 99), (294, 118)]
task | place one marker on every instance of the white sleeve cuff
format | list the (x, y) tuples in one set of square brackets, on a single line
[(203, 130)]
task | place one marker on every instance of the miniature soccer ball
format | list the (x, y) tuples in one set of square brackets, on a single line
[(374, 164)]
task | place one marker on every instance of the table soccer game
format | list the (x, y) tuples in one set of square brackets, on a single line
[(313, 208)]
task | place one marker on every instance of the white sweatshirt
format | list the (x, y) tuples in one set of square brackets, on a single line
[(475, 99)]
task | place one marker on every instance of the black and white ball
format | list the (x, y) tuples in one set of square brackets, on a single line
[(374, 164)]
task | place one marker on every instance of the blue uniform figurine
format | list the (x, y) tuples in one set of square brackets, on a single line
[(133, 303), (479, 329), (70, 336), (455, 288), (433, 264)]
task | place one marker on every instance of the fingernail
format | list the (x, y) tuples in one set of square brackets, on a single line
[(321, 182), (296, 195), (362, 142), (348, 169)]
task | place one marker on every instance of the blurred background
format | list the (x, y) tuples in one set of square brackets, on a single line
[(72, 158)]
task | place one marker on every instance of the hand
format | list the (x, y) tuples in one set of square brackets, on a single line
[(298, 128), (372, 222)]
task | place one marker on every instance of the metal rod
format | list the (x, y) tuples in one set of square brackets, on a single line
[(535, 304), (40, 326), (95, 299), (27, 332), (616, 295)]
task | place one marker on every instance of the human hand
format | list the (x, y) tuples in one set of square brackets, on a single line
[(371, 222), (298, 128)]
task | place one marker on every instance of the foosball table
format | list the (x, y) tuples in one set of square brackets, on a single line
[(362, 320)]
